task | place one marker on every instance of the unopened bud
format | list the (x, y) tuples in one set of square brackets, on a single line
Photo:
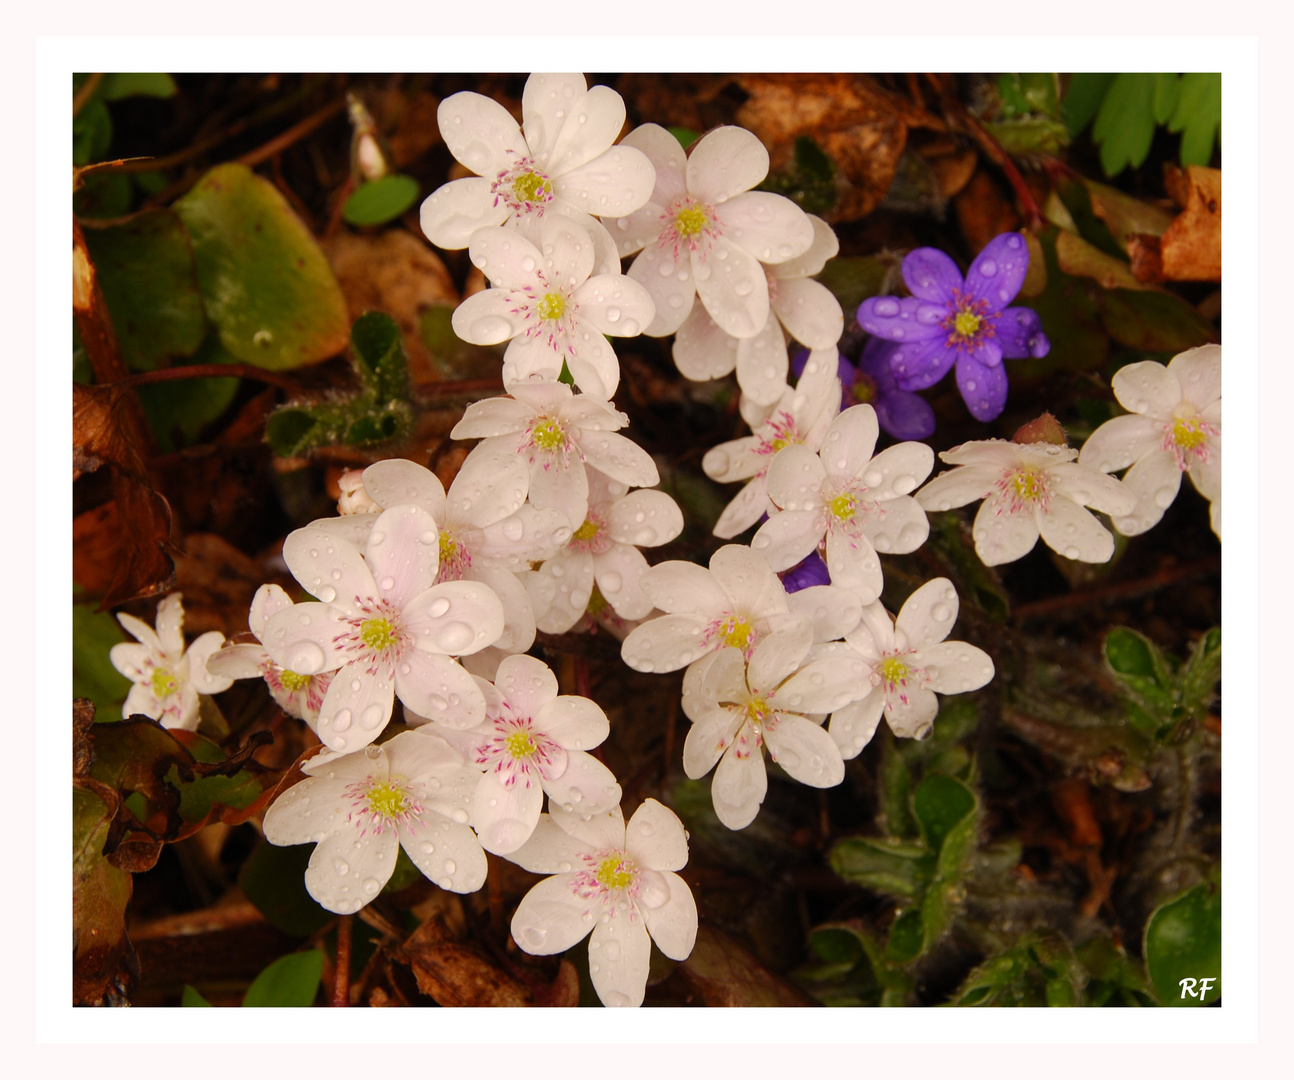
[(1045, 429), (354, 498)]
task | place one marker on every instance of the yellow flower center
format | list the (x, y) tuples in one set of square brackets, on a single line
[(587, 531), (735, 633), (842, 507), (529, 187), (758, 712), (521, 744), (377, 633), (292, 681), (616, 872), (448, 546), (1029, 485), (386, 799), (548, 435), (164, 683), (1188, 434), (551, 306), (893, 670), (689, 221), (966, 324)]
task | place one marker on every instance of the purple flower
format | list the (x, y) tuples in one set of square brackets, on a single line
[(809, 571), (901, 413), (948, 319)]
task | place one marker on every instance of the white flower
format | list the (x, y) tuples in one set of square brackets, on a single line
[(1029, 489), (560, 162), (908, 661), (354, 498), (167, 679), (555, 433), (531, 742), (737, 602), (360, 809), (846, 500), (298, 695), (605, 549), (801, 416), (736, 707), (548, 308), (806, 308), (704, 232), (618, 881), (382, 622), (1175, 428)]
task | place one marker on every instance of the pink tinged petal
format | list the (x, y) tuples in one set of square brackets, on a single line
[(342, 876), (931, 275), (724, 163), (546, 105), (913, 719), (762, 364), (1215, 517), (505, 813), (129, 658), (749, 580), (795, 477), (593, 363), (874, 634), (955, 667), (572, 576), (454, 618), (805, 751), (852, 727), (532, 360), (494, 416), (606, 830), (746, 508), (853, 563), (307, 812), (998, 271), (667, 157), (615, 305), (490, 486), (1071, 531), (787, 537), (702, 351), (832, 610), (488, 317), (619, 957), (480, 132), (769, 227), (591, 414), (670, 284), (403, 554), (707, 739), (738, 459), (561, 489), (448, 852), (170, 625), (307, 638), (1147, 387), (666, 643), (615, 183), (328, 568), (618, 573), (439, 689), (510, 258), (810, 312), (1207, 475), (527, 685), (957, 487), (236, 661), (592, 123), (352, 529), (777, 656), (269, 600), (825, 246), (142, 632), (1199, 371), (672, 924), (1000, 536), (655, 838), (568, 253), (202, 680), (527, 536), (644, 519), (620, 459), (355, 709), (719, 677), (551, 849), (899, 526), (898, 470), (677, 586), (140, 700), (518, 632), (453, 212), (575, 723), (824, 685), (633, 232), (586, 786), (732, 286), (740, 782), (551, 918), (1090, 487), (1153, 482), (1117, 443), (849, 443), (928, 614), (399, 480)]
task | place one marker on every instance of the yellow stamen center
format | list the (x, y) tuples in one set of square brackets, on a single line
[(842, 507), (893, 670), (529, 186), (377, 633), (966, 324), (386, 799), (587, 531), (521, 744), (758, 711), (292, 681), (616, 872), (1029, 485), (690, 221), (551, 306), (548, 435), (164, 683), (1187, 434), (449, 547), (735, 633)]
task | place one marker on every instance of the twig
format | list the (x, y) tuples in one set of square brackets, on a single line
[(293, 134), (86, 92), (208, 371), (1124, 590), (341, 978)]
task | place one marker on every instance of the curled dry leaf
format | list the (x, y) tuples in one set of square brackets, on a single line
[(1189, 249)]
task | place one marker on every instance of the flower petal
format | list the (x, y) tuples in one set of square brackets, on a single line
[(667, 156), (480, 132), (519, 539), (575, 723), (494, 416), (670, 284), (1091, 487), (619, 957), (572, 574), (918, 365), (551, 917), (451, 214), (1019, 333), (403, 553), (1199, 371), (234, 661), (984, 389), (957, 487), (776, 657), (1147, 387), (655, 837), (930, 275), (615, 183), (170, 625), (852, 727), (906, 320), (550, 848), (998, 271), (762, 364), (853, 563), (356, 708), (490, 486), (832, 610), (770, 227), (644, 519), (724, 163), (1117, 443), (787, 537), (676, 586), (347, 871), (329, 568), (398, 480), (620, 458), (707, 739), (747, 578), (927, 616), (732, 286), (914, 718), (849, 443), (805, 751), (304, 638), (955, 667), (740, 782), (527, 685), (795, 477), (586, 786), (746, 508), (592, 364), (901, 526), (439, 689), (615, 305), (1071, 531), (809, 311), (618, 572), (672, 925), (454, 618), (547, 102), (202, 680), (1154, 482), (666, 643), (702, 351), (448, 852), (1001, 536), (824, 685), (505, 814)]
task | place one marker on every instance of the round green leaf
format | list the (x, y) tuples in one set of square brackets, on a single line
[(266, 284), (1184, 946), (940, 803), (290, 982), (380, 201)]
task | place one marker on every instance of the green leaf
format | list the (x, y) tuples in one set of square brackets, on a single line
[(178, 410), (887, 866), (380, 201), (1115, 978), (1125, 125), (1198, 116), (1028, 93), (103, 195), (145, 266), (291, 982), (100, 893), (906, 937), (1153, 321), (1199, 676), (93, 676), (1165, 96), (896, 790), (1184, 941), (378, 351), (685, 135), (91, 133), (117, 86), (854, 279), (1132, 654), (191, 998), (1087, 89), (939, 803), (273, 879), (265, 283)]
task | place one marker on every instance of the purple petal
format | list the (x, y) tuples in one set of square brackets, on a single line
[(809, 571), (931, 275), (998, 272), (908, 319), (1019, 333), (921, 364), (875, 363), (904, 415), (987, 352), (982, 388)]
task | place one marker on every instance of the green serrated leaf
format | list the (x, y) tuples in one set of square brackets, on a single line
[(116, 86), (191, 999), (1125, 124), (939, 803), (380, 201), (265, 283), (1082, 100), (1165, 96), (292, 981), (1184, 942), (1198, 116)]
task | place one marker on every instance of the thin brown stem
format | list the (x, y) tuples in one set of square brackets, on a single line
[(341, 977), (294, 134), (208, 371), (1123, 590)]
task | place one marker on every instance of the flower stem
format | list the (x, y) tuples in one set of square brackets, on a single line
[(341, 978)]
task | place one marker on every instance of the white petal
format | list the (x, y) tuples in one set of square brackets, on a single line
[(809, 311), (955, 667), (749, 580), (560, 486), (488, 317), (510, 259), (666, 155), (142, 632), (708, 738), (575, 723), (1199, 371), (654, 837), (645, 519), (825, 246), (304, 638), (1071, 531), (677, 586), (447, 852), (732, 286), (615, 305), (673, 924), (620, 459), (613, 184), (1147, 387), (746, 508), (763, 363), (824, 685), (480, 132), (770, 227), (1117, 443), (592, 123), (1207, 475), (586, 786), (572, 574), (494, 416), (329, 568), (546, 105), (666, 643), (204, 681), (593, 363), (236, 661), (635, 231), (551, 918), (794, 479), (453, 212), (928, 614), (347, 871), (740, 783), (853, 563), (702, 351), (490, 486), (619, 956), (957, 487), (724, 163), (527, 536), (852, 727), (527, 685), (454, 618), (805, 751), (399, 480), (619, 572), (1154, 482), (777, 656), (834, 611), (355, 709), (306, 812), (1090, 487), (403, 553), (849, 443), (898, 470), (900, 526), (670, 284), (1001, 536), (913, 719), (551, 849), (505, 815), (438, 688), (170, 625)]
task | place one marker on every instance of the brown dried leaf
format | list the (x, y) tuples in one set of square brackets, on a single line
[(1191, 247), (454, 974), (983, 211), (1125, 216), (1076, 256), (722, 972)]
